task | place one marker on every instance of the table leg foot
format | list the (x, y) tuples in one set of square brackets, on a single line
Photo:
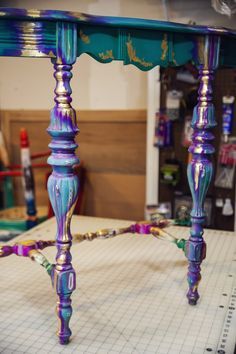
[(194, 278), (64, 312)]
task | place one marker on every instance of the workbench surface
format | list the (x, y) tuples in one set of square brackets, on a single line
[(130, 296)]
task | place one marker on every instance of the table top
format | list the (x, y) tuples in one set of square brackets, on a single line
[(141, 42), (80, 18), (130, 296)]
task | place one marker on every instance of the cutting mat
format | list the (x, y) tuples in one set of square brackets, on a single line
[(130, 296)]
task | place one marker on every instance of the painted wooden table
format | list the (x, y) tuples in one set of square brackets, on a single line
[(64, 36)]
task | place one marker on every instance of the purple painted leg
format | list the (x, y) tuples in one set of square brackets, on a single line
[(200, 169), (63, 184)]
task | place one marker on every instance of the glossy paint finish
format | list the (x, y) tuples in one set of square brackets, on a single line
[(64, 36), (79, 17), (200, 169), (143, 43), (63, 183), (24, 248), (31, 249)]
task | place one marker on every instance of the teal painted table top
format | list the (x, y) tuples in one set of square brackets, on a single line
[(143, 43)]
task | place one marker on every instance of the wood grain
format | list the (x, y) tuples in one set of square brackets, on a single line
[(109, 195), (112, 145)]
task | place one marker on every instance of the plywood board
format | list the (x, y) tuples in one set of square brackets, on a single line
[(110, 142)]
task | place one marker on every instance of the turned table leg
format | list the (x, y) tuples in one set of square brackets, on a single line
[(63, 183), (200, 168)]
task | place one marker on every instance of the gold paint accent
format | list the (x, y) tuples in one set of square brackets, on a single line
[(196, 175), (32, 53), (67, 222), (198, 150), (202, 51), (107, 55), (100, 234), (196, 286), (173, 58), (84, 37), (29, 38), (164, 47), (162, 234), (61, 90), (28, 27), (39, 258), (34, 13), (199, 139), (132, 54), (26, 243), (51, 54), (79, 15), (61, 258)]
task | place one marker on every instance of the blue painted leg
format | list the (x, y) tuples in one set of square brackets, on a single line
[(200, 169), (63, 183)]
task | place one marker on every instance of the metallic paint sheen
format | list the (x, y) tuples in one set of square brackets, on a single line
[(64, 36)]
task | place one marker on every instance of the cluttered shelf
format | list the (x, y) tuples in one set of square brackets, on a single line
[(179, 94)]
